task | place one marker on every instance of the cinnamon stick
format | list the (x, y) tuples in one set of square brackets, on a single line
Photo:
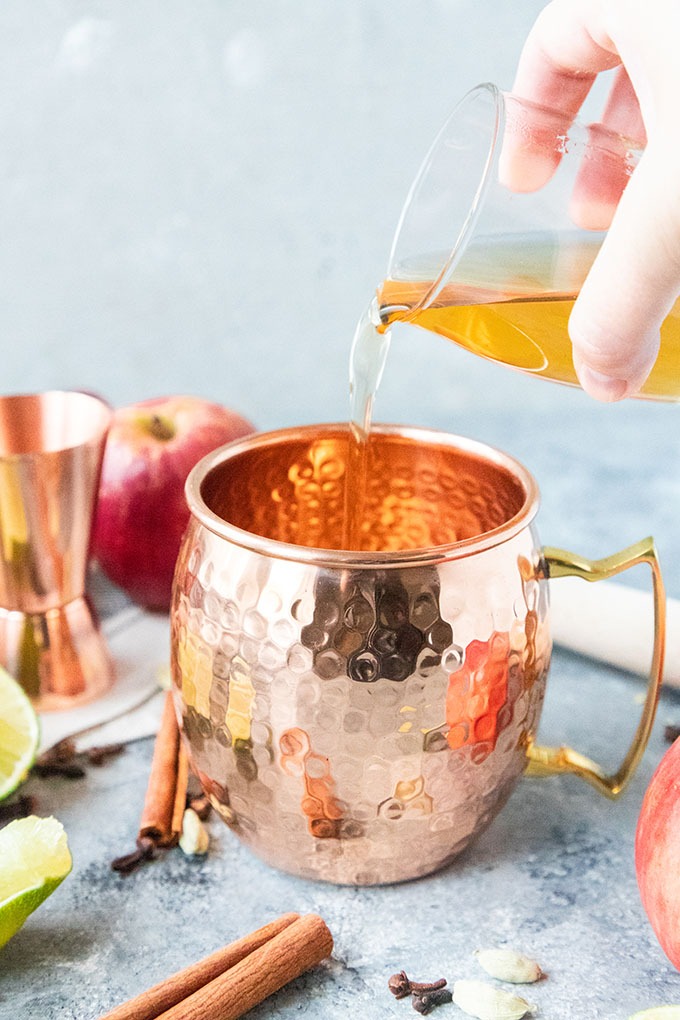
[(166, 795), (300, 946), (161, 792), (150, 1004), (179, 807)]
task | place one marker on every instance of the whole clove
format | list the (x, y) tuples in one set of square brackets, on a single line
[(21, 808), (401, 985), (425, 1002), (200, 804), (45, 769), (425, 995), (145, 851), (101, 754), (66, 761), (59, 760), (671, 732)]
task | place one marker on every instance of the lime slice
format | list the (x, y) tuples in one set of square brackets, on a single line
[(35, 859), (19, 734)]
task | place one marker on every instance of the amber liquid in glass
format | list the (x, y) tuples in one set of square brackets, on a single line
[(510, 302)]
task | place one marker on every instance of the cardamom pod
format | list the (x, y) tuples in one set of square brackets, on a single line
[(194, 838), (658, 1013), (488, 1003), (507, 965)]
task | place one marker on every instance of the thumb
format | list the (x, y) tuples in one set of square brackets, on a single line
[(632, 285)]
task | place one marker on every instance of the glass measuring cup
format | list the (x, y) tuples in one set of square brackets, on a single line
[(500, 228)]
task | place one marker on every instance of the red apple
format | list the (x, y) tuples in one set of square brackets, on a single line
[(657, 853), (141, 511)]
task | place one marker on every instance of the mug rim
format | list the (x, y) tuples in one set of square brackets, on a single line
[(355, 558)]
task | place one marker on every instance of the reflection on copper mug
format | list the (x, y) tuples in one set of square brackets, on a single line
[(51, 449), (361, 716)]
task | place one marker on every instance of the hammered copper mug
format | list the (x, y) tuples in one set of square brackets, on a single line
[(360, 716)]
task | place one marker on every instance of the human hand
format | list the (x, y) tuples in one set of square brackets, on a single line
[(635, 279)]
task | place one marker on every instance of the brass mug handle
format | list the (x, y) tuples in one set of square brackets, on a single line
[(544, 761)]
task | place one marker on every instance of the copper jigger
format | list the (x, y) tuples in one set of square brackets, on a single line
[(51, 449)]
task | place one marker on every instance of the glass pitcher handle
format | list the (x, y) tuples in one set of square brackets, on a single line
[(545, 761)]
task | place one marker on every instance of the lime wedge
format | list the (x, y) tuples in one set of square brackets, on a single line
[(35, 859), (19, 734)]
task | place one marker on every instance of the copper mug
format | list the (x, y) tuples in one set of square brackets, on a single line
[(51, 450), (360, 716)]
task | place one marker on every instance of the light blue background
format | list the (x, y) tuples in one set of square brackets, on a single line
[(201, 196)]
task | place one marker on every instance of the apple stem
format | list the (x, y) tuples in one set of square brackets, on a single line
[(161, 428)]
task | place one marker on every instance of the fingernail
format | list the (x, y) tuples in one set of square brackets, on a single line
[(600, 386)]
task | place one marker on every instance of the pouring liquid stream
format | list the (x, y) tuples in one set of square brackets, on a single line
[(370, 348)]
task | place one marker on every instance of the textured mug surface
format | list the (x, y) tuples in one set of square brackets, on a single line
[(359, 716)]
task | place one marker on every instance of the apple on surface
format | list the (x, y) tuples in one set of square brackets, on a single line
[(657, 853), (141, 511)]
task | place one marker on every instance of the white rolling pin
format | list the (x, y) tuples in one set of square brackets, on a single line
[(613, 623)]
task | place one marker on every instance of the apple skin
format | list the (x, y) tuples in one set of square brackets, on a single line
[(141, 512), (657, 853)]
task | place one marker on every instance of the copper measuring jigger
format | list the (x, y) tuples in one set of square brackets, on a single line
[(51, 449), (360, 716)]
